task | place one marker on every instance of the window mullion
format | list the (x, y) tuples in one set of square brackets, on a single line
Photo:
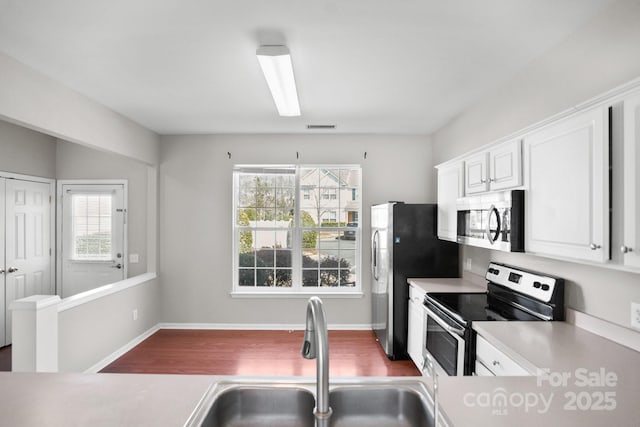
[(296, 252)]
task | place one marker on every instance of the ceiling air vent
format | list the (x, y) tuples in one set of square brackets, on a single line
[(321, 126)]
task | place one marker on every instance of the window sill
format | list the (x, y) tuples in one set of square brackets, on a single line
[(307, 294)]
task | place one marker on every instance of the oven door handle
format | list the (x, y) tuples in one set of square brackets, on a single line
[(448, 328)]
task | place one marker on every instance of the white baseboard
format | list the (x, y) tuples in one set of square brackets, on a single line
[(261, 326), (122, 350), (611, 331)]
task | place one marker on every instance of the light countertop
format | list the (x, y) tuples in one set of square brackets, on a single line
[(450, 285), (530, 402), (590, 381), (30, 399), (558, 346)]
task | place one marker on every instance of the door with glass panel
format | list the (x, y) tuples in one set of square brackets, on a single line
[(93, 230)]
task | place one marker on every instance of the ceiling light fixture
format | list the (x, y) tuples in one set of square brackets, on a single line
[(275, 62)]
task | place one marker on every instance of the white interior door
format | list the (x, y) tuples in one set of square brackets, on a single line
[(93, 236), (27, 242), (3, 306)]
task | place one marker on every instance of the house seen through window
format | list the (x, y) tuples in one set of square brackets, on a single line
[(296, 228)]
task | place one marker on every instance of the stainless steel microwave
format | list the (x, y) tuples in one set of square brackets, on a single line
[(492, 220)]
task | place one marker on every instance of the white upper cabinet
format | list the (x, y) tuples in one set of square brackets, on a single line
[(475, 172), (450, 183), (505, 166), (497, 169), (566, 175), (630, 247)]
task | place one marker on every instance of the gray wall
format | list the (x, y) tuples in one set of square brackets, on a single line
[(74, 161), (600, 56), (196, 216), (92, 331), (26, 152), (33, 100)]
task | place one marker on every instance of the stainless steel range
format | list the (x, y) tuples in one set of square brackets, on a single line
[(512, 294)]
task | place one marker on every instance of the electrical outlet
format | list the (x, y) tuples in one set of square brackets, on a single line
[(635, 315), (135, 314)]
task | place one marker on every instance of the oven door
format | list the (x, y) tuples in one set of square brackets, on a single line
[(445, 345)]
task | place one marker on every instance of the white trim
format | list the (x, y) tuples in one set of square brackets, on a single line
[(296, 290), (103, 291), (262, 326), (611, 331), (121, 351), (302, 294)]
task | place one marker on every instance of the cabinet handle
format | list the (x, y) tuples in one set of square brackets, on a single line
[(625, 249), (496, 363), (593, 246)]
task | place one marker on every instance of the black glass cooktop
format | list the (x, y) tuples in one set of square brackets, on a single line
[(470, 307)]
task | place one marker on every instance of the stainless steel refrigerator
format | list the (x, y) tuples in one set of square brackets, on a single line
[(404, 244)]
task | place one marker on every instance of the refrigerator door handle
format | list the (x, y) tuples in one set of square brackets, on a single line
[(374, 255)]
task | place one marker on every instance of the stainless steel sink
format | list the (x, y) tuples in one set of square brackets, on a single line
[(379, 406), (261, 407), (354, 403)]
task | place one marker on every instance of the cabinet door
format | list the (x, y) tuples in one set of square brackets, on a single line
[(415, 330), (494, 361), (631, 211), (505, 166), (566, 172), (449, 189), (475, 174)]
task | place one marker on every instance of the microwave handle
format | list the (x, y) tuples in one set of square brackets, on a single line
[(493, 210)]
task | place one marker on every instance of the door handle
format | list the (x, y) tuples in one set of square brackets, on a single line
[(118, 266), (12, 270), (2, 271), (374, 255)]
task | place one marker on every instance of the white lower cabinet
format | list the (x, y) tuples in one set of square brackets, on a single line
[(416, 326), (567, 180), (491, 361)]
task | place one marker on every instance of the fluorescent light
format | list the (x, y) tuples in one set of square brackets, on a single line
[(275, 62)]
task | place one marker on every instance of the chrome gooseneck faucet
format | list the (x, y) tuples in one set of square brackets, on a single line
[(316, 346)]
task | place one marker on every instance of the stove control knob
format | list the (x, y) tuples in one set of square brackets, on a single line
[(536, 285), (545, 287)]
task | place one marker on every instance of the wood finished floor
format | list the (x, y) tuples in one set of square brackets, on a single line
[(5, 359), (262, 353)]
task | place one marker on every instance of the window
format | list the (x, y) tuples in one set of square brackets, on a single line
[(91, 227), (296, 229)]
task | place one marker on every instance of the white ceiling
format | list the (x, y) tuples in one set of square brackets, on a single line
[(367, 66)]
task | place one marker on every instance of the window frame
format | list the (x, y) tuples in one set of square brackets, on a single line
[(297, 289)]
